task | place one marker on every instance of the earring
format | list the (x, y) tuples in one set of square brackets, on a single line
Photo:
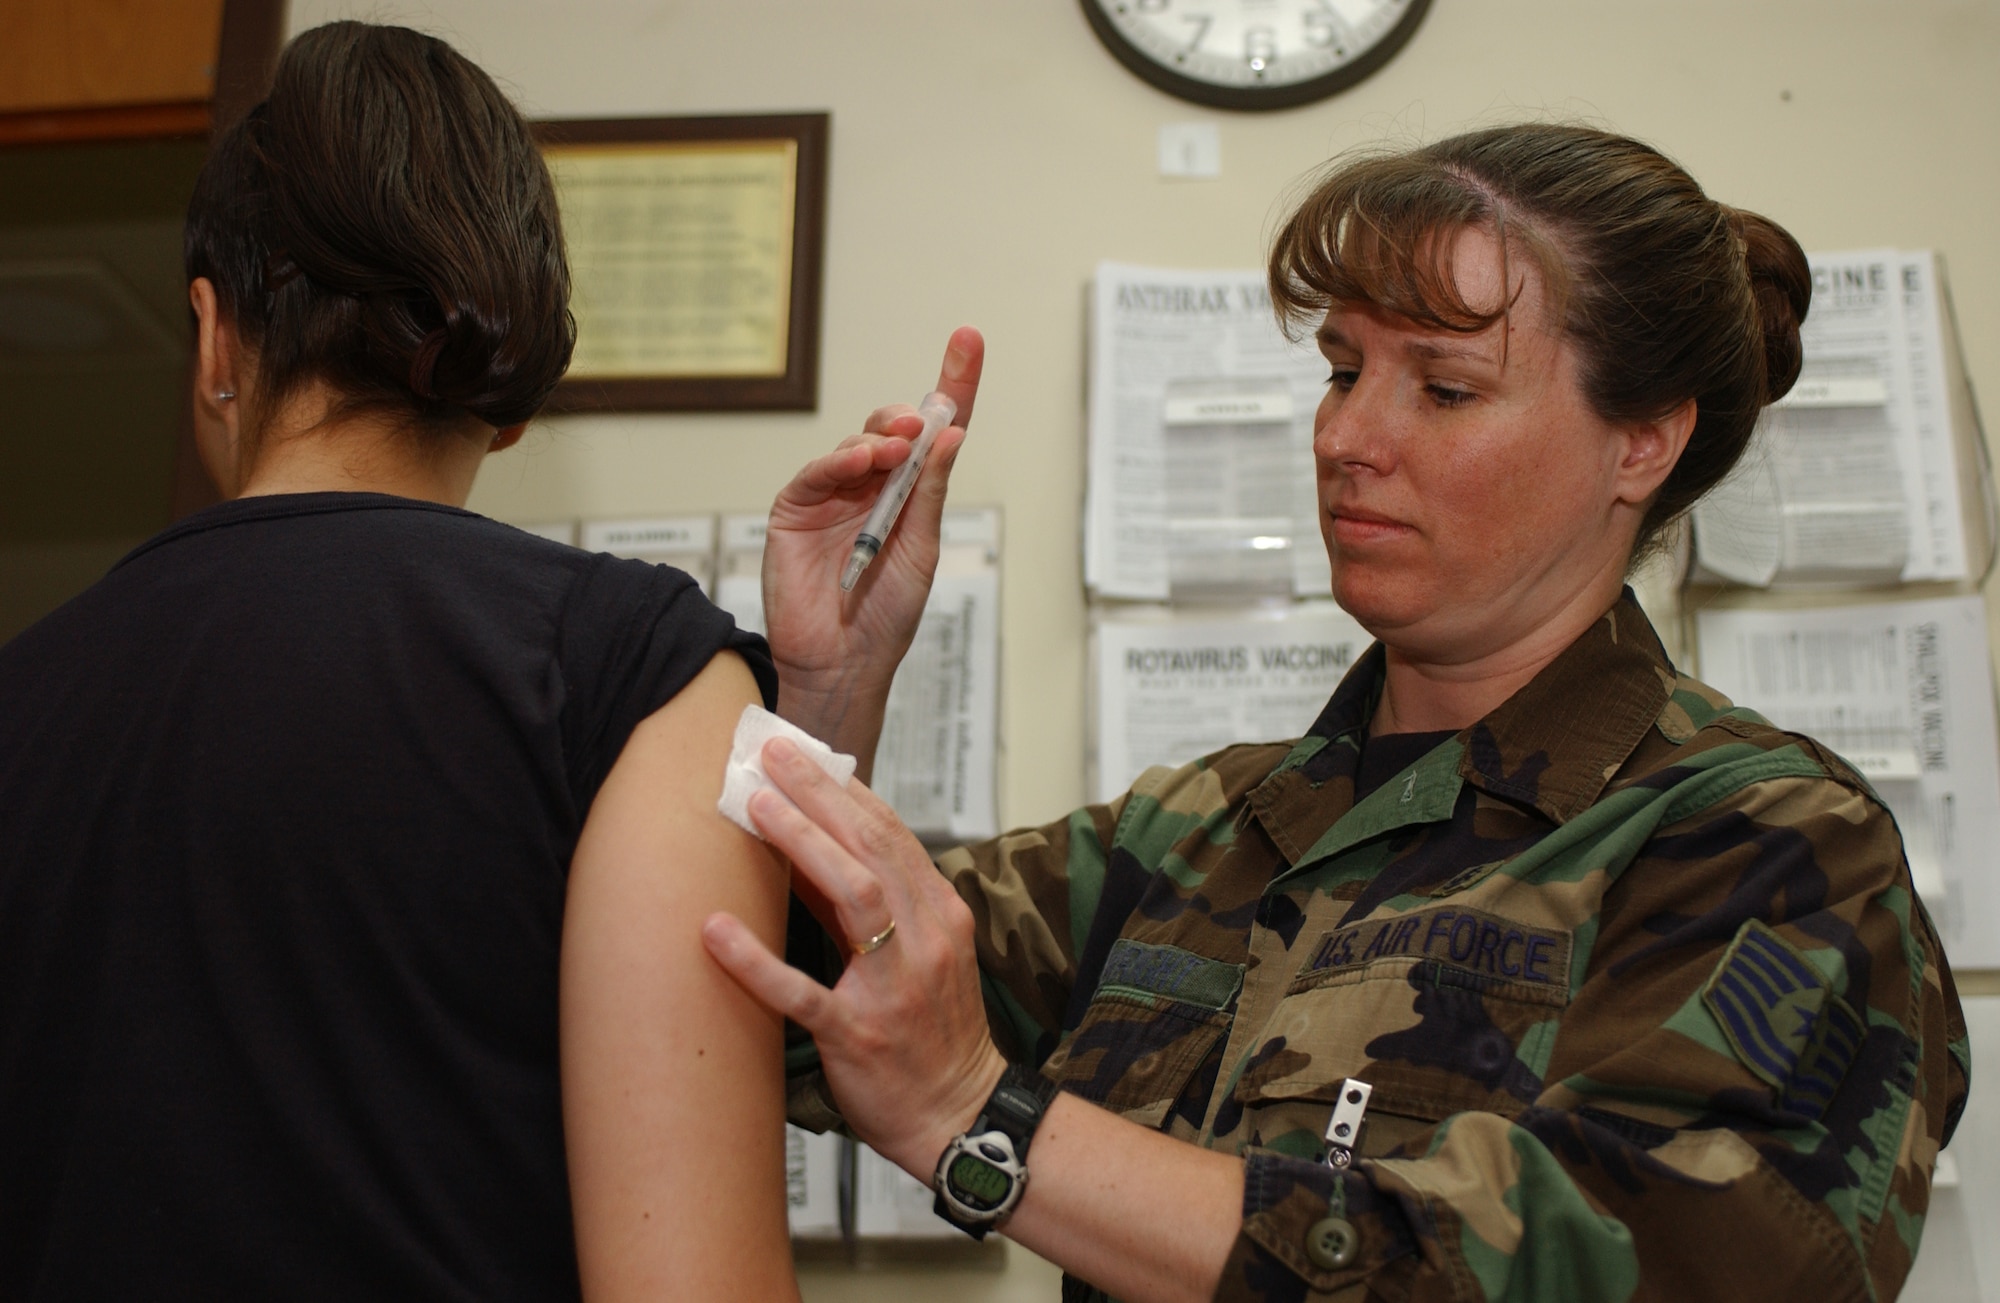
[(224, 395)]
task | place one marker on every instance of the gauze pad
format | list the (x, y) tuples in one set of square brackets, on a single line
[(745, 773)]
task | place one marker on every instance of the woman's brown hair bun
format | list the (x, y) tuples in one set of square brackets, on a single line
[(384, 223), (1781, 279)]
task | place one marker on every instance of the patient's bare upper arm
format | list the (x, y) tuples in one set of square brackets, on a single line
[(673, 1090)]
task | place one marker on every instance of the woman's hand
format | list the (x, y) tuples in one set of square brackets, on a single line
[(902, 1035), (837, 651)]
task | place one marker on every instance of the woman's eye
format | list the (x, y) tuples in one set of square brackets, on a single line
[(1446, 396), (1343, 378)]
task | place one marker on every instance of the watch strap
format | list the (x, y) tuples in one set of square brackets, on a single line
[(1016, 1106)]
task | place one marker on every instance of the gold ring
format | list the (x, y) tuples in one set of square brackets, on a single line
[(876, 942)]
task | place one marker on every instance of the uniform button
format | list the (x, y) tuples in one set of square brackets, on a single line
[(1332, 1243)]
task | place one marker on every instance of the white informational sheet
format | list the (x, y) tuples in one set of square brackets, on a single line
[(1939, 540), (739, 570), (1904, 692), (1200, 460), (812, 1183), (936, 761), (1172, 686), (940, 735), (683, 542), (889, 1202), (1852, 476)]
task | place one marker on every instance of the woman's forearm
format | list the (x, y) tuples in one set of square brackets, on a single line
[(1136, 1213), (845, 714)]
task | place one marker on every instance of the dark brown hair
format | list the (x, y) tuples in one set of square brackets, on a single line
[(1666, 294), (384, 223)]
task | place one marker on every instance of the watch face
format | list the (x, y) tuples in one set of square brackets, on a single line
[(977, 1182), (1254, 54)]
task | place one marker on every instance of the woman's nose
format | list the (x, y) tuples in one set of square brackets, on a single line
[(1351, 428)]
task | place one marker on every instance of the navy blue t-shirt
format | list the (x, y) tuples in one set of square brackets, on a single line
[(287, 804)]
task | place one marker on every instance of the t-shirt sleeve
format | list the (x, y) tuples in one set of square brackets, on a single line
[(633, 634)]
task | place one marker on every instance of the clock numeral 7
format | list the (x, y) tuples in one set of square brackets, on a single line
[(1202, 23)]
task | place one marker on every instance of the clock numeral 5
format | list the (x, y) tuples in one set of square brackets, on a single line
[(1322, 26)]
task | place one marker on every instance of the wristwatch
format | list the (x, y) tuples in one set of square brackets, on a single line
[(981, 1174)]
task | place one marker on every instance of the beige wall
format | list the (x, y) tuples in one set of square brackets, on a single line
[(985, 156)]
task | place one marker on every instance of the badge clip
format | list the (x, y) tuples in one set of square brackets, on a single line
[(1343, 1129)]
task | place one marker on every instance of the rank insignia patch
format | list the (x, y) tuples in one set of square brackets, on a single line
[(1780, 1015)]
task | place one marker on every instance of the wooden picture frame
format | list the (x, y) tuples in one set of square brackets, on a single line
[(718, 177)]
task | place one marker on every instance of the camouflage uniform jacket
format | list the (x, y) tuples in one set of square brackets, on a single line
[(1646, 999)]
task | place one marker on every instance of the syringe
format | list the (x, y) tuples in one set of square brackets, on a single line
[(937, 411)]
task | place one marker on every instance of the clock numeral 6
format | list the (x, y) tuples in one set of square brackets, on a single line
[(1151, 6), (1322, 27)]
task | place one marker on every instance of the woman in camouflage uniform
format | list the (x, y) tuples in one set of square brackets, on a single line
[(1635, 988)]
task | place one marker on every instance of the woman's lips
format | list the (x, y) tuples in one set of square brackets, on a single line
[(1353, 526)]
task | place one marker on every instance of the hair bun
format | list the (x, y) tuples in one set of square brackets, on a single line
[(1781, 281), (383, 222), (464, 354)]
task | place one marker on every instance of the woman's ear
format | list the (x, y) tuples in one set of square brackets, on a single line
[(1651, 450), (506, 437), (219, 378)]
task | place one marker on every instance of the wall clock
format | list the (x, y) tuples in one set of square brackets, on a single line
[(1254, 54)]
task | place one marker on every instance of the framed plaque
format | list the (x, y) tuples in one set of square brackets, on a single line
[(694, 251)]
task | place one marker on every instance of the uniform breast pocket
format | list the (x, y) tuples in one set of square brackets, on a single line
[(1156, 1015), (1434, 1033)]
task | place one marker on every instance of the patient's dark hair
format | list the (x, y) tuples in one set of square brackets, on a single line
[(1666, 294), (383, 222)]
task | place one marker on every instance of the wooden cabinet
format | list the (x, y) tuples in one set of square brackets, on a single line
[(78, 69), (70, 54)]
